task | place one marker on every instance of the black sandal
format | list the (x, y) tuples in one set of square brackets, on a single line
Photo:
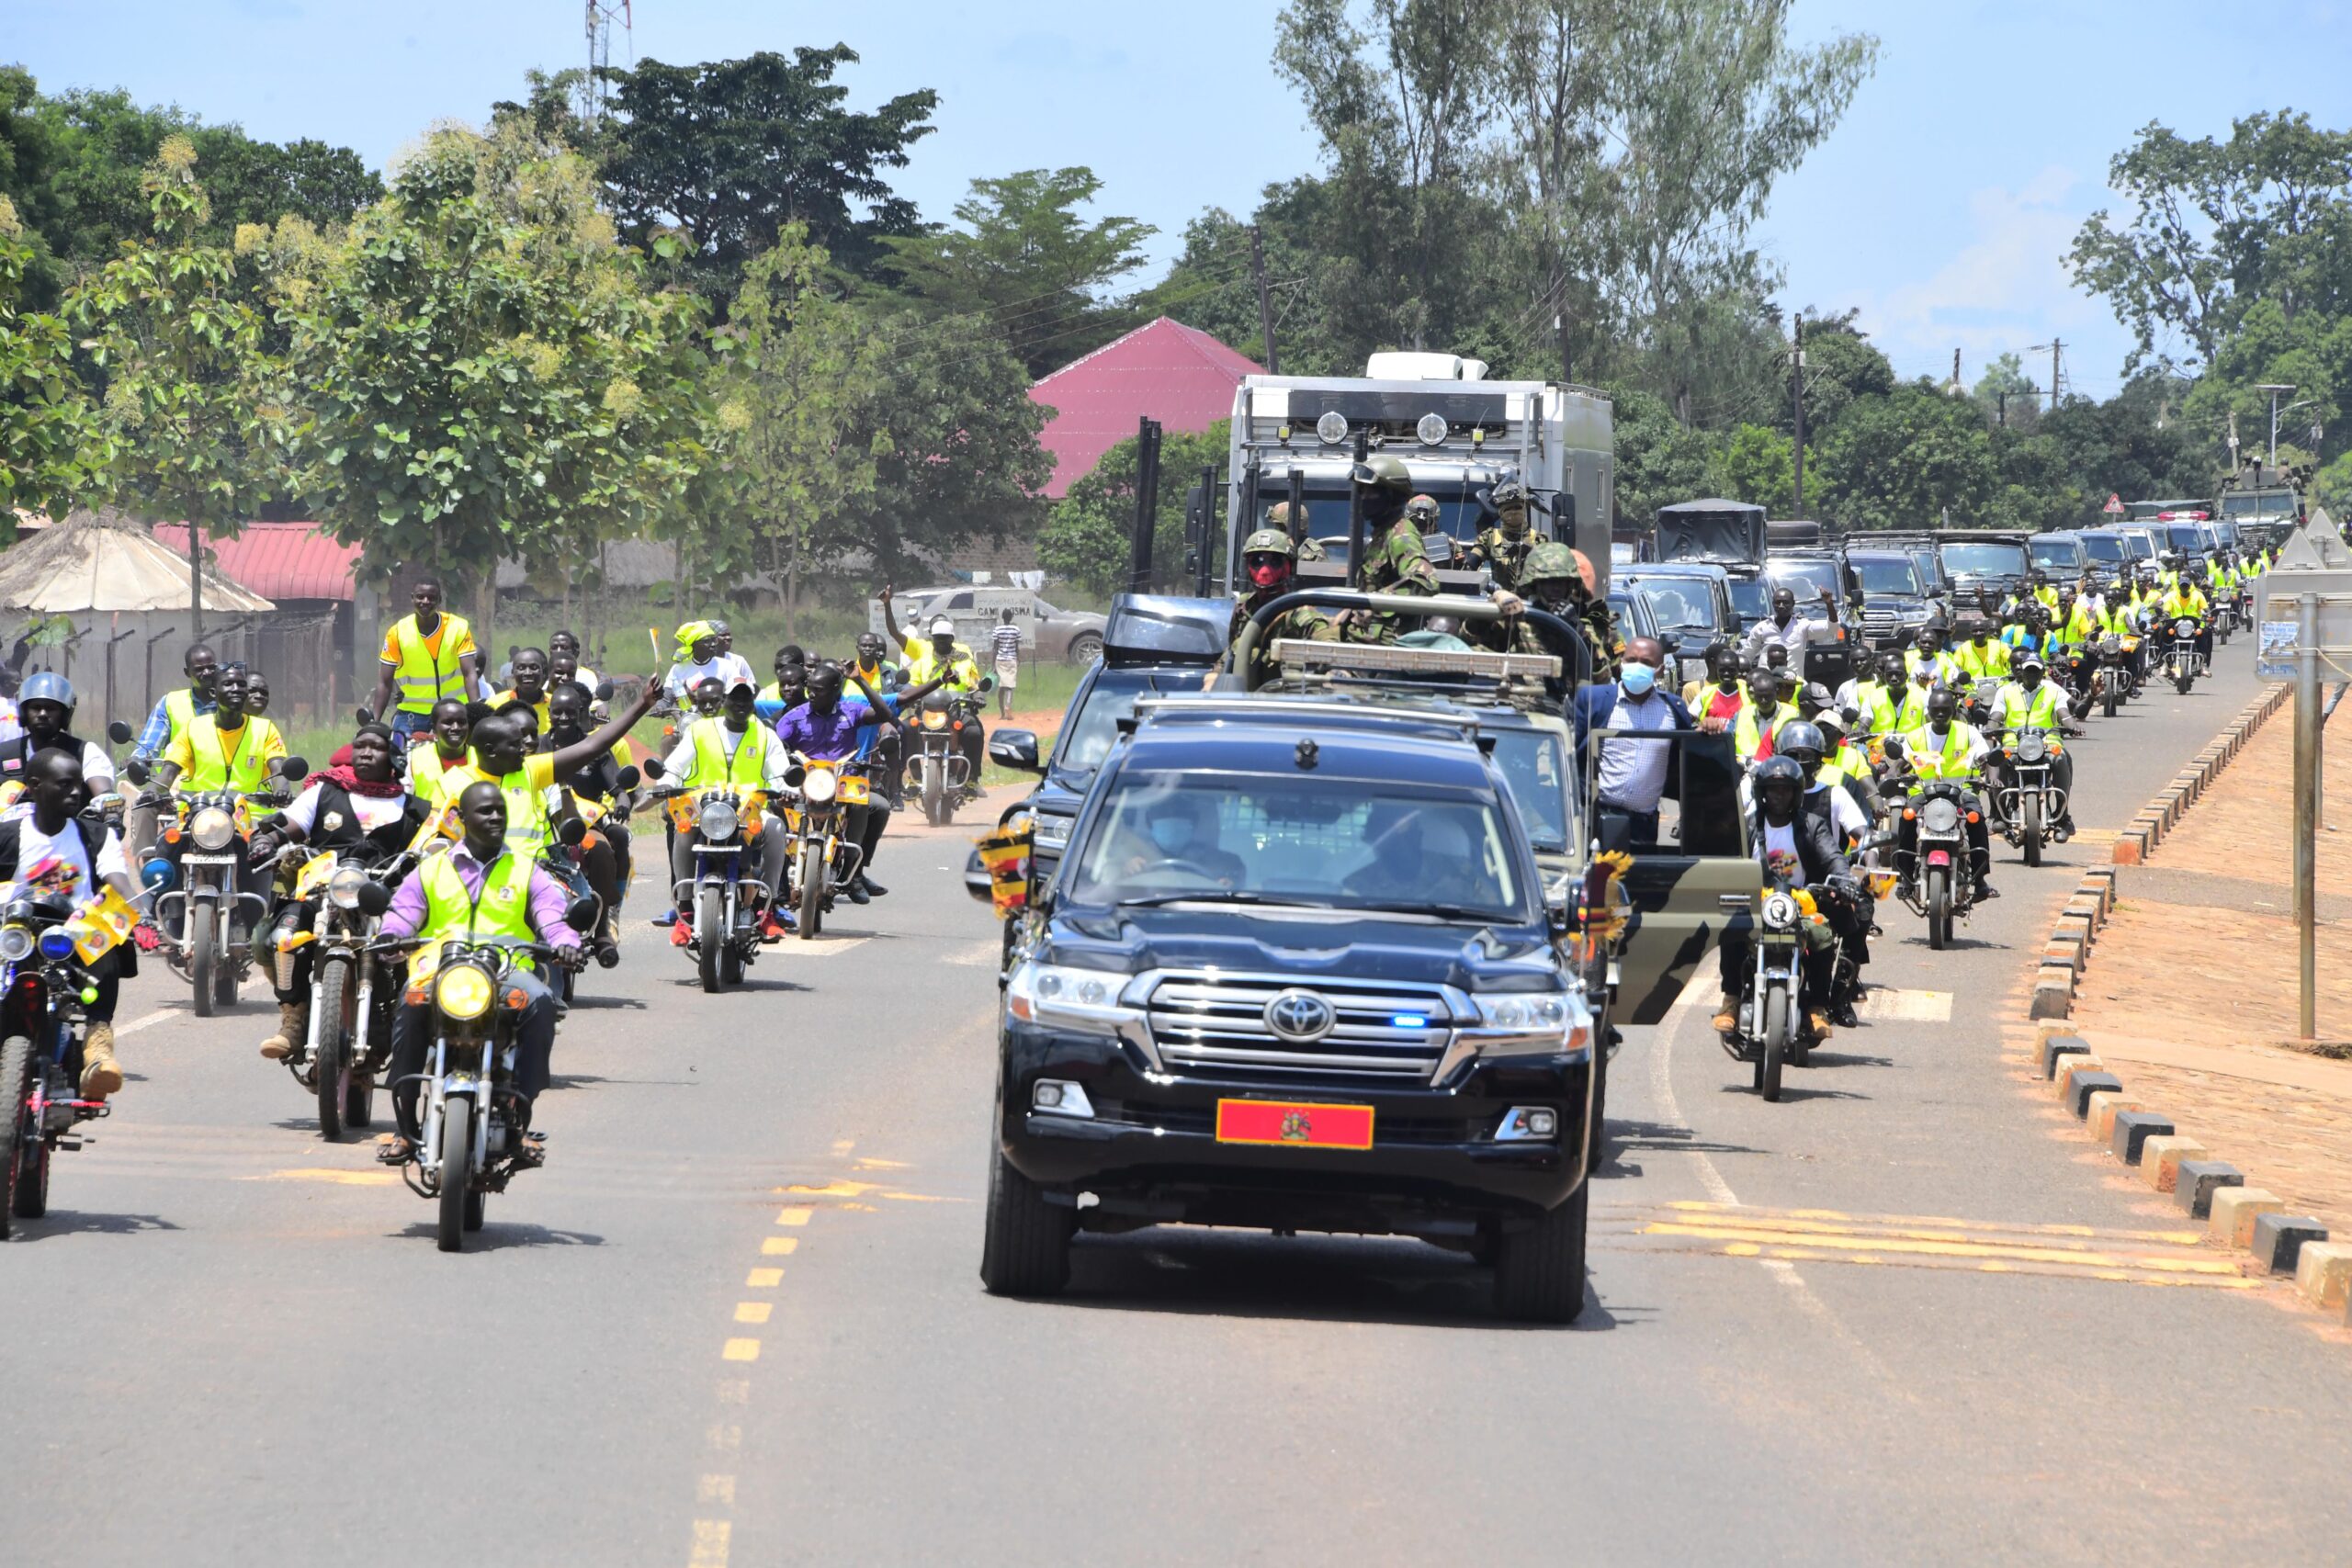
[(396, 1149)]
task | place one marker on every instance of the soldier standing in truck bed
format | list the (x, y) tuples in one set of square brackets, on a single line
[(1503, 549), (1394, 560), (1278, 518)]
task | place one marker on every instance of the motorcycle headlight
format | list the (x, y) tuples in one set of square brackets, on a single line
[(211, 829), (2184, 628), (56, 943), (719, 819), (1530, 1023), (1940, 816), (819, 786), (1084, 1001), (1779, 911), (463, 993), (16, 943), (2033, 746), (343, 887), (936, 719)]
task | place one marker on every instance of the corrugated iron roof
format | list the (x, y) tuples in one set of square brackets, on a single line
[(279, 561), (1164, 370)]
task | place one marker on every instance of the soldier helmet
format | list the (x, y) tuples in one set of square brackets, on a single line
[(1421, 508), (1508, 493), (1549, 560), (1270, 541), (1384, 472), (1278, 515)]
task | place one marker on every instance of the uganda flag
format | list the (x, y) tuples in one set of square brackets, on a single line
[(1005, 853)]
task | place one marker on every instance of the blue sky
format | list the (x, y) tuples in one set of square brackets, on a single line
[(1940, 206)]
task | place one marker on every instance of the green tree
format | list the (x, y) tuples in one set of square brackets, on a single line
[(2220, 226), (1758, 465), (1841, 366), (43, 410), (1088, 536), (729, 152), (2007, 395), (1030, 260), (1660, 460), (189, 429), (487, 376), (1907, 460)]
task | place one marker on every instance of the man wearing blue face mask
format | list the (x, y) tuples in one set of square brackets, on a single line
[(1633, 774), (1179, 832)]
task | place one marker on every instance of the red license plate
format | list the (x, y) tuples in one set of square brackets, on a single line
[(1293, 1124), (1938, 857)]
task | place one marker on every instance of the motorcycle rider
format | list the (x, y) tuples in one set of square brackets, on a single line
[(1721, 692), (54, 846), (2026, 702), (564, 659), (700, 654), (1760, 720), (503, 755), (1780, 826), (2185, 599), (1943, 747), (1928, 650), (1269, 561), (1807, 745), (225, 749), (826, 728), (446, 746), (942, 655), (594, 789), (1980, 655), (173, 713), (529, 676), (44, 708), (360, 806), (430, 655), (480, 888), (730, 751)]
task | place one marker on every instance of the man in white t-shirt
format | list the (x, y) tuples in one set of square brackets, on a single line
[(51, 849)]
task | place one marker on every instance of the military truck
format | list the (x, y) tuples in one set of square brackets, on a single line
[(2265, 501), (1297, 437)]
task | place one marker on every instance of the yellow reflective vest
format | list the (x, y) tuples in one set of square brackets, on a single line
[(502, 910), (424, 676)]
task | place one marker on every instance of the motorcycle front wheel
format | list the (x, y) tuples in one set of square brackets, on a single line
[(814, 870), (456, 1172), (330, 998), (711, 935), (934, 790), (204, 955), (18, 1140), (1938, 900), (1775, 1041), (2030, 810)]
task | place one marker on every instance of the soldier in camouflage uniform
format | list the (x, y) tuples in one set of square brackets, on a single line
[(1266, 560), (1394, 559), (1278, 518), (1503, 549), (1559, 580)]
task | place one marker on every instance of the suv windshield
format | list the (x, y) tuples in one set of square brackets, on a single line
[(2106, 548), (1806, 578), (1891, 575), (1984, 558), (1092, 727), (1752, 597), (2057, 555), (1534, 765), (1323, 842), (1686, 605), (2259, 503), (2185, 536)]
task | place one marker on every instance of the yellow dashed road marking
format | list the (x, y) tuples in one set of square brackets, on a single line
[(741, 1350), (793, 1216), (753, 1312), (326, 1174), (778, 1246), (710, 1543), (764, 1279), (714, 1489)]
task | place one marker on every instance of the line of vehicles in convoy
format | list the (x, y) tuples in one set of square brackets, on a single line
[(1350, 950)]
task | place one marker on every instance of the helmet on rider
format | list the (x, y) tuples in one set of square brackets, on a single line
[(1780, 785), (46, 705), (1802, 741)]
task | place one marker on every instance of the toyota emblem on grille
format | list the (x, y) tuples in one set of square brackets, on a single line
[(1300, 1016)]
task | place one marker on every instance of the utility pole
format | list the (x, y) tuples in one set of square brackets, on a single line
[(2306, 846), (1955, 372), (1265, 299), (1796, 396), (1147, 505), (2276, 392), (2055, 346)]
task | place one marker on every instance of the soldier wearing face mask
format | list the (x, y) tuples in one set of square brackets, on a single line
[(1268, 559), (1503, 549)]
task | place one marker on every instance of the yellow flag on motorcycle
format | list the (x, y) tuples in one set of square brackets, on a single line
[(1005, 853), (101, 924)]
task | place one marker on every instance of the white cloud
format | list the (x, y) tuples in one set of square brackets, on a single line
[(2005, 289)]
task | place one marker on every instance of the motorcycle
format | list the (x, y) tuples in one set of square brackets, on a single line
[(45, 947), (823, 859), (724, 824), (2029, 804), (355, 987), (1774, 1029), (938, 771), (1937, 873), (212, 949), (2077, 669), (2180, 659), (471, 1145)]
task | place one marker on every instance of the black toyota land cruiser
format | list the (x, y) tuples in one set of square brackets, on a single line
[(1296, 973)]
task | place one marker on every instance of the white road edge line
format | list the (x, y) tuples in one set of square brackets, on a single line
[(136, 1024)]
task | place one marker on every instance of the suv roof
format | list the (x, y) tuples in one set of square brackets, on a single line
[(1264, 734)]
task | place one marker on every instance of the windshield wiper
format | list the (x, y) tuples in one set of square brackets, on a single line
[(1215, 896), (1441, 911)]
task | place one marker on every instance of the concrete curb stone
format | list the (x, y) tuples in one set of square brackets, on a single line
[(2199, 1179), (2235, 1210), (2280, 1238), (2132, 1129), (2160, 1160), (2080, 1087), (2324, 1274), (2057, 1046)]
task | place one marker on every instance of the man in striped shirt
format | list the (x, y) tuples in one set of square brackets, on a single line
[(1004, 641)]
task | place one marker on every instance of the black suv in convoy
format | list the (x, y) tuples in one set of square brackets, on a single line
[(1297, 972), (1895, 596)]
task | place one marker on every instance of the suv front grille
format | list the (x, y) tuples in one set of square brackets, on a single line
[(1385, 1031)]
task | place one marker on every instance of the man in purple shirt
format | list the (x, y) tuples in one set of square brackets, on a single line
[(827, 726), (481, 813)]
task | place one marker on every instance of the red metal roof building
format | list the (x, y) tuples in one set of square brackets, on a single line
[(294, 560), (1163, 370)]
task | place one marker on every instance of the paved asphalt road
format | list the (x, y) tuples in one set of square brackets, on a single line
[(737, 1318)]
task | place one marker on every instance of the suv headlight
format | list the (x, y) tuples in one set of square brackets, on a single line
[(1050, 830), (212, 829), (1084, 1000), (1530, 1024)]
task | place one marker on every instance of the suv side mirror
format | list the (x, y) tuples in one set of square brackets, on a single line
[(1015, 748), (291, 767), (976, 879)]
